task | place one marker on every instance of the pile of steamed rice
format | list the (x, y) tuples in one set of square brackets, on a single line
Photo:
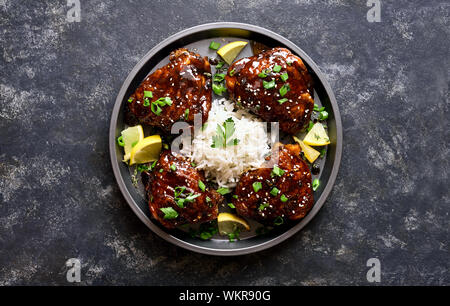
[(225, 165)]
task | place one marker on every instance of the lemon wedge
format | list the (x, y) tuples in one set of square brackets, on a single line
[(317, 136), (230, 223), (131, 136), (146, 150), (310, 153), (231, 50)]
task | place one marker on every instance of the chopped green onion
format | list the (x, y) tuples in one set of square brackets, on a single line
[(315, 184), (205, 235), (156, 109), (146, 102), (163, 101), (269, 85), (201, 185), (148, 94), (173, 167), (134, 143), (263, 73), (223, 190), (283, 198), (322, 152), (208, 199), (180, 202), (193, 164), (231, 205), (323, 115), (289, 63), (165, 146), (186, 114), (231, 72), (220, 64), (169, 213), (130, 100), (310, 126), (276, 68), (263, 206), (120, 141), (316, 108), (257, 186), (214, 45), (277, 171), (278, 221), (161, 170), (281, 101), (233, 236), (154, 164), (235, 196), (218, 77), (178, 191), (274, 191), (191, 197), (218, 89), (284, 76), (284, 89)]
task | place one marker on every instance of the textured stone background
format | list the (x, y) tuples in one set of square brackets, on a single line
[(59, 199)]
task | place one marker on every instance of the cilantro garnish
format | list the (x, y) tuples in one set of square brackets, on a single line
[(224, 133)]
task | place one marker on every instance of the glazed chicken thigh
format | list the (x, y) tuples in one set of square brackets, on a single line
[(275, 85), (276, 192), (174, 92), (177, 192)]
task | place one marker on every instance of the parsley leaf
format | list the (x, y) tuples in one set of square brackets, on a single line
[(224, 133)]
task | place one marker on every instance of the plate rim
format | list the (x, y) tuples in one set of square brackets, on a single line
[(248, 249)]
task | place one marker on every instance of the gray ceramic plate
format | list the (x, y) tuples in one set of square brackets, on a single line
[(198, 38)]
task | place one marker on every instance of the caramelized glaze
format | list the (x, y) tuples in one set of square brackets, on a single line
[(294, 184), (247, 88), (186, 80), (160, 186)]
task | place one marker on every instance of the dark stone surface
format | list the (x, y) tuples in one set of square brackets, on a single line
[(59, 199)]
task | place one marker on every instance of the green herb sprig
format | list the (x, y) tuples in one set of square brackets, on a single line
[(223, 138)]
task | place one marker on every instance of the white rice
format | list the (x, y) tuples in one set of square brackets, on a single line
[(225, 165)]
